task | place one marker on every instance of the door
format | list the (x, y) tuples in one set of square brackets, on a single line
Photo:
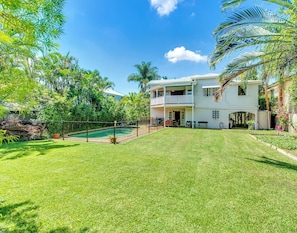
[(177, 117)]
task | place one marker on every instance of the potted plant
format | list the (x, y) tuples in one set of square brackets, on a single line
[(112, 139)]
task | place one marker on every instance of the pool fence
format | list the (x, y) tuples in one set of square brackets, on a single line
[(67, 130)]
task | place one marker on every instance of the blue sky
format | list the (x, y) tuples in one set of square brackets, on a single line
[(114, 35)]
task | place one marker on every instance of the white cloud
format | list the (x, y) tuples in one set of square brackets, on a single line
[(164, 7), (181, 54)]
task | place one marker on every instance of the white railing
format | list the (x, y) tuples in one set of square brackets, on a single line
[(173, 99), (157, 100)]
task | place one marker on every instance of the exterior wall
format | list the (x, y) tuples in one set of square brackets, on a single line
[(231, 102), (230, 98), (157, 113), (264, 119), (293, 118), (203, 107)]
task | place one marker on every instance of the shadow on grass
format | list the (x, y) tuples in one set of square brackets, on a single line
[(21, 217), (18, 218), (275, 163), (21, 149)]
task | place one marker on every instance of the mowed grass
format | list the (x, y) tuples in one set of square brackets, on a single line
[(175, 180)]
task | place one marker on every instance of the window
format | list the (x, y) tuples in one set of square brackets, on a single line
[(241, 91), (210, 91), (215, 114), (189, 92)]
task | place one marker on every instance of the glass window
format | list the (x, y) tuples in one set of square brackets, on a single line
[(241, 91), (215, 114), (210, 91)]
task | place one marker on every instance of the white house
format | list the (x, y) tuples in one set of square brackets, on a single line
[(110, 92), (189, 102)]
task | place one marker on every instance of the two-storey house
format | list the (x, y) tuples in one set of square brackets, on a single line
[(189, 102)]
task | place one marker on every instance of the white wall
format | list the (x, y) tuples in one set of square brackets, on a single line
[(264, 118), (230, 98), (204, 105)]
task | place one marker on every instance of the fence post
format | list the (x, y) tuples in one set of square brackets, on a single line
[(114, 131), (137, 128), (63, 130), (87, 131)]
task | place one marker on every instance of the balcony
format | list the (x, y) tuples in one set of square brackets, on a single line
[(172, 100)]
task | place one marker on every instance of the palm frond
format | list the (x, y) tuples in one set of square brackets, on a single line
[(228, 46), (227, 4), (228, 77), (245, 63), (251, 15), (248, 28)]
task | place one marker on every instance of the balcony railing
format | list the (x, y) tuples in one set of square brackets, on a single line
[(173, 99)]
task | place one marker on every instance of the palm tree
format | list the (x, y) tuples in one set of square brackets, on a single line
[(271, 36), (145, 74)]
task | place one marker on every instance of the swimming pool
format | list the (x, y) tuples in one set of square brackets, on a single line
[(104, 133)]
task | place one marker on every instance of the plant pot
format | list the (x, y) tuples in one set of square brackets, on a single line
[(56, 135), (113, 140)]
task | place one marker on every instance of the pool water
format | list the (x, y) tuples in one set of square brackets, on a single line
[(104, 133)]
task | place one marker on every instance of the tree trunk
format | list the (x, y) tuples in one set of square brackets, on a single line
[(266, 93), (280, 87)]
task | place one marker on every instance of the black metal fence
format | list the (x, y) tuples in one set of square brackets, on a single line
[(104, 132)]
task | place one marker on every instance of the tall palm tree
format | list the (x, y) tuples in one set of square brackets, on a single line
[(146, 73), (268, 39)]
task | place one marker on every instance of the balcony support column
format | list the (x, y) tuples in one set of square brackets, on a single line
[(193, 106), (164, 96)]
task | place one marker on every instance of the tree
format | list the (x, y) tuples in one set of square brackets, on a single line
[(137, 105), (30, 25), (271, 36), (145, 74)]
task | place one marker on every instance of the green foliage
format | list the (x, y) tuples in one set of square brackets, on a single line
[(262, 102), (7, 138), (3, 111), (281, 141), (293, 91), (251, 124), (137, 106), (28, 27), (269, 36), (54, 112), (30, 24), (282, 121), (146, 73)]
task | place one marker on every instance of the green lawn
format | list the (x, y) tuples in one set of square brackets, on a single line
[(175, 180)]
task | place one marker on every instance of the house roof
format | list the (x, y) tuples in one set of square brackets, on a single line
[(110, 91), (188, 80)]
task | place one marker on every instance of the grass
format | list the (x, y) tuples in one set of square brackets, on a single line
[(176, 180), (283, 140)]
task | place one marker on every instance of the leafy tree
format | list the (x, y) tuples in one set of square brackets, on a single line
[(293, 91), (146, 73), (271, 36), (79, 92), (7, 138), (28, 27), (137, 105)]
